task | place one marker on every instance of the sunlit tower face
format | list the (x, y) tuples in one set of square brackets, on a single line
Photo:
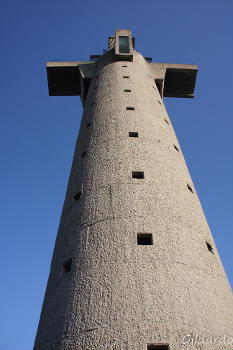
[(134, 265)]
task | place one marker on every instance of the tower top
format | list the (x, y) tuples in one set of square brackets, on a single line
[(73, 78), (122, 43)]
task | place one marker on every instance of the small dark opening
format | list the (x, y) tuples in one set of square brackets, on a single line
[(138, 174), (92, 104), (133, 134), (126, 76), (94, 57), (176, 148), (159, 102), (190, 188), (148, 59), (127, 90), (130, 108), (158, 347), (166, 121), (159, 84), (144, 239), (85, 89), (67, 265), (210, 248), (124, 66), (77, 196), (88, 125), (83, 154)]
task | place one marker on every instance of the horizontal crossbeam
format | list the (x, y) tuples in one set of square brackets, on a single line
[(65, 78), (178, 79)]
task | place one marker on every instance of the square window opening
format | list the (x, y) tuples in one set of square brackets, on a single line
[(144, 239), (209, 246), (77, 196), (158, 347), (83, 154), (133, 134), (67, 265), (190, 188), (138, 174)]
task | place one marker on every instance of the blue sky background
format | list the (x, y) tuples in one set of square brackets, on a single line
[(38, 132)]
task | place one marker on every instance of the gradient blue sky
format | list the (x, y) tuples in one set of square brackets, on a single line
[(38, 132)]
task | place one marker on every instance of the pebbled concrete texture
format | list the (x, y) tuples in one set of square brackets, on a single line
[(120, 295)]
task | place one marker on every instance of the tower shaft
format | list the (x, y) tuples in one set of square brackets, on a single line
[(134, 261)]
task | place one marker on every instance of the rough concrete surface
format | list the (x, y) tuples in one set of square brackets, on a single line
[(119, 295)]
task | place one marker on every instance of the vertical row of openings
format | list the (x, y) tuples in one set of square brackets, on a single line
[(130, 108), (83, 154), (190, 188), (67, 265), (144, 239), (126, 76), (133, 134), (209, 247), (77, 196), (138, 175), (158, 347)]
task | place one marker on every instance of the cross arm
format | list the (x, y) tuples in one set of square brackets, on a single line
[(175, 80), (65, 78)]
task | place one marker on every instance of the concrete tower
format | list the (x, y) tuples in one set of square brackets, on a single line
[(134, 266)]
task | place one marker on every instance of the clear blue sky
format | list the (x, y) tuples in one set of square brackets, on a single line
[(38, 132)]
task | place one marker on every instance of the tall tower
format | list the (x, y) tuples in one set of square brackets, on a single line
[(134, 266)]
